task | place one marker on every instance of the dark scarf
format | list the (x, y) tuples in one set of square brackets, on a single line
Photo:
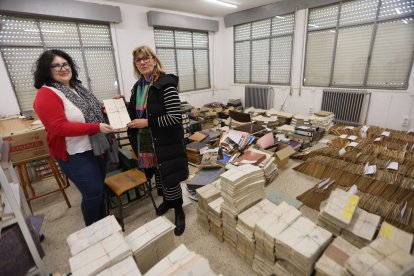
[(91, 109)]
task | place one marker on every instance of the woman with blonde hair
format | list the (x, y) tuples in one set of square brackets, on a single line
[(156, 133)]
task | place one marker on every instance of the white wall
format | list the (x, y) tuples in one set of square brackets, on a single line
[(387, 109)]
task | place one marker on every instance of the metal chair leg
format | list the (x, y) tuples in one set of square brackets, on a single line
[(150, 194), (121, 215)]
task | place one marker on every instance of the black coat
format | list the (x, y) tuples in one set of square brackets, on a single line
[(168, 141)]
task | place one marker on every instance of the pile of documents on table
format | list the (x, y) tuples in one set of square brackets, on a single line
[(241, 187), (151, 242), (360, 232), (337, 211), (97, 247), (323, 119), (300, 246), (380, 257), (181, 261), (245, 227), (284, 118), (205, 195), (265, 232), (215, 218), (332, 262)]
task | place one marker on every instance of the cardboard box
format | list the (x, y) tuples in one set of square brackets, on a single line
[(282, 154), (28, 145)]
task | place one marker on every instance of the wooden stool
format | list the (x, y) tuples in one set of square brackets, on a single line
[(123, 182)]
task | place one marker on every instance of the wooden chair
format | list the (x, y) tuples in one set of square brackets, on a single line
[(249, 126), (122, 183)]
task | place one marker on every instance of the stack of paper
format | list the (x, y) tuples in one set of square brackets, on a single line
[(125, 267), (245, 227), (337, 211), (215, 218), (269, 121), (323, 119), (301, 244), (229, 226), (181, 261), (205, 195), (92, 234), (362, 228), (268, 164), (300, 120), (151, 242), (100, 256), (399, 237), (381, 257), (284, 118), (332, 262), (270, 226)]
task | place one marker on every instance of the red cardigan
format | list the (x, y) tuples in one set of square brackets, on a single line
[(49, 107)]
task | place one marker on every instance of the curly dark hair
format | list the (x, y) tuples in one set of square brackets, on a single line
[(42, 74)]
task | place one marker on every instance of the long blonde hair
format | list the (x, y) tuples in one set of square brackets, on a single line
[(149, 53)]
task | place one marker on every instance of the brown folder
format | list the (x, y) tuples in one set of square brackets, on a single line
[(249, 157)]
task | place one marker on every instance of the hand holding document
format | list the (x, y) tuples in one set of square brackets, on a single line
[(117, 113)]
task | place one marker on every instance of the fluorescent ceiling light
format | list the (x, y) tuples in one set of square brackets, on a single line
[(230, 5)]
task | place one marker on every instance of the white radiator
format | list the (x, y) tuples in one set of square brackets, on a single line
[(349, 106), (258, 96)]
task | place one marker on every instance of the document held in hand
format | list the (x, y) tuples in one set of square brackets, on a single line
[(117, 113)]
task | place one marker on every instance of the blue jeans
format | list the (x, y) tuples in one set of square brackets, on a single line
[(88, 173)]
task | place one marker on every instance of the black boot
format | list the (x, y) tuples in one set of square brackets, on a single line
[(162, 209), (179, 221)]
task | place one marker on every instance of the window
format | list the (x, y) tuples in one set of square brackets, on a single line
[(185, 54), (361, 43), (263, 50), (22, 40)]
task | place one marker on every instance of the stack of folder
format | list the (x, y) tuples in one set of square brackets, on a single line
[(193, 151), (205, 195), (125, 267), (300, 120), (215, 218), (300, 245), (268, 228), (362, 228), (337, 211), (284, 118), (93, 234), (381, 257), (332, 262), (323, 119), (245, 227), (181, 261), (100, 256), (151, 242), (250, 157), (229, 226), (268, 121), (399, 237)]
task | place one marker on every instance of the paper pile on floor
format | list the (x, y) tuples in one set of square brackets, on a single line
[(125, 267), (332, 262), (215, 218), (181, 261), (300, 245), (205, 195), (399, 237), (337, 211), (381, 257), (151, 242)]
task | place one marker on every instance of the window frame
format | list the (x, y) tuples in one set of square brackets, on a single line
[(377, 21), (44, 47), (193, 49)]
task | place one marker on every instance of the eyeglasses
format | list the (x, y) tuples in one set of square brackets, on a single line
[(59, 67), (145, 59)]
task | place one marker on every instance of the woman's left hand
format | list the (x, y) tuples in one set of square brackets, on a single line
[(138, 123)]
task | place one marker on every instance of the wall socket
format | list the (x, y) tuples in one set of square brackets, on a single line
[(406, 121)]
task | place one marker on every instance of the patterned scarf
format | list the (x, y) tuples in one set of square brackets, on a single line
[(146, 155), (91, 109)]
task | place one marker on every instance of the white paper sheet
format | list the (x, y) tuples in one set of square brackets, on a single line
[(117, 113), (393, 166)]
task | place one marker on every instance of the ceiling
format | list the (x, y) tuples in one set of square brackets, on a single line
[(200, 7)]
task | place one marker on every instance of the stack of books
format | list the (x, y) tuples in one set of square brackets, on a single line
[(193, 151), (362, 228), (300, 246), (268, 121), (300, 120), (380, 257), (323, 119), (337, 211), (215, 218), (205, 195), (125, 267), (246, 224), (151, 242), (332, 262)]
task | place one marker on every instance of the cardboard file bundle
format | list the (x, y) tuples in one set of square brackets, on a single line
[(215, 218), (151, 242), (399, 237), (301, 244), (100, 256), (92, 234), (181, 261), (381, 257), (205, 195), (125, 267), (332, 262)]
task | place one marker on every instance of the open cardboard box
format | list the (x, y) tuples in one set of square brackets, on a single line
[(284, 151)]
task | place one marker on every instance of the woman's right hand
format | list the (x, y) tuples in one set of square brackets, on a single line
[(105, 128)]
